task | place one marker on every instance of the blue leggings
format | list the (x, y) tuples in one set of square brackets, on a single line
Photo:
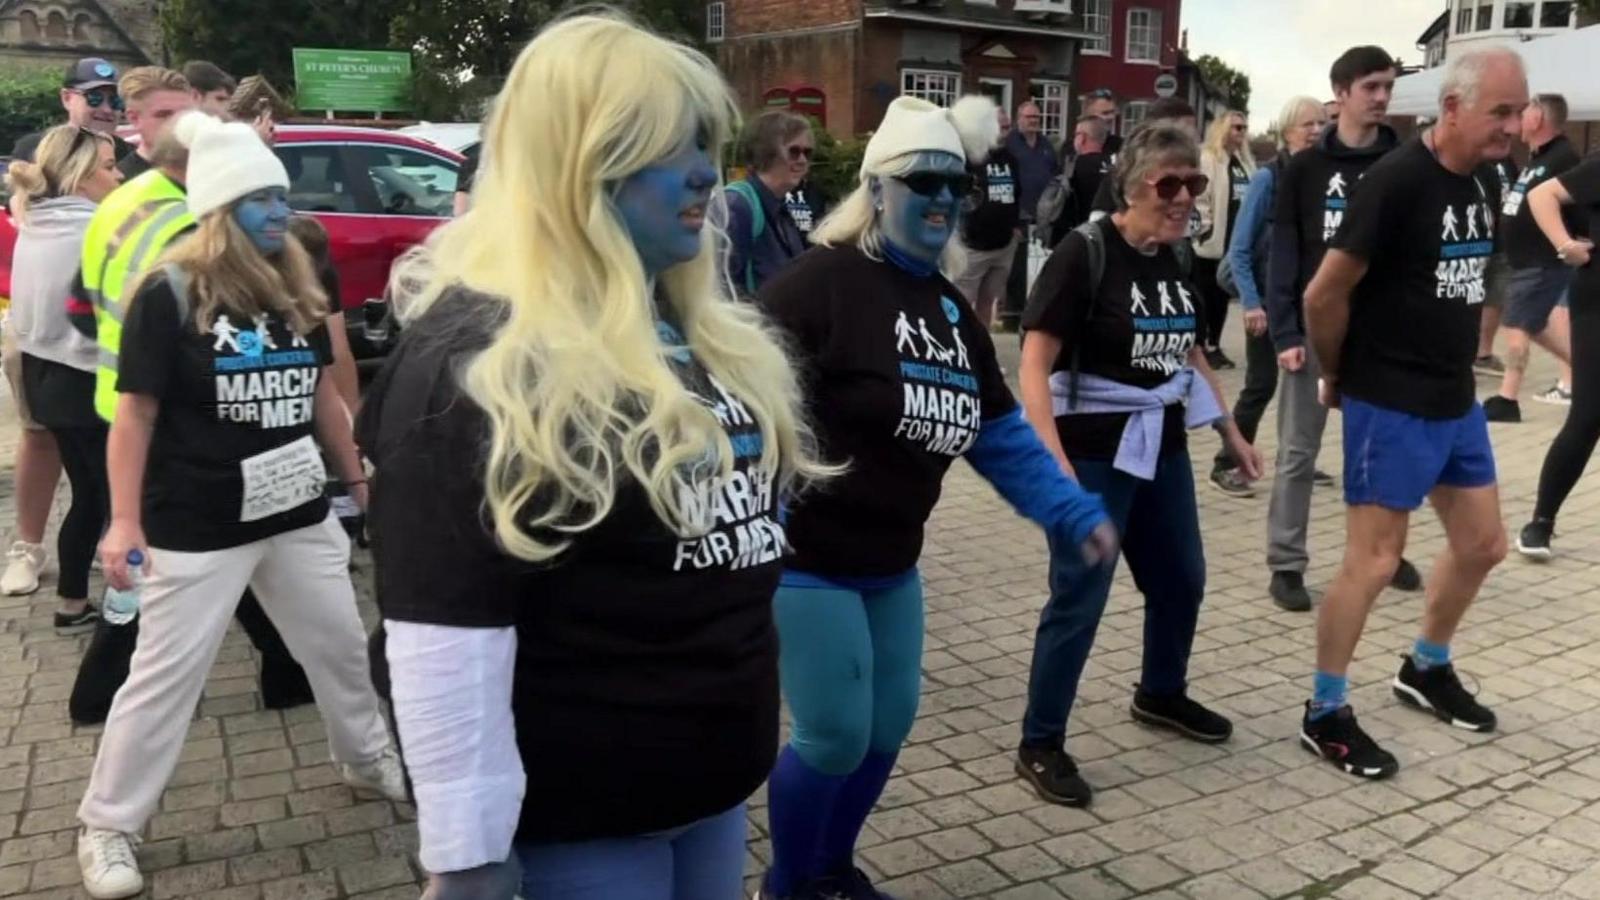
[(851, 667), (702, 861)]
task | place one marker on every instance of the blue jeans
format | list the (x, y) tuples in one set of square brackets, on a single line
[(701, 861), (1160, 529)]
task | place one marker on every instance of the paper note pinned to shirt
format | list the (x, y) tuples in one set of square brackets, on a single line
[(280, 480)]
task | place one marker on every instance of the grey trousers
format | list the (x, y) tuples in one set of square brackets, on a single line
[(1301, 419)]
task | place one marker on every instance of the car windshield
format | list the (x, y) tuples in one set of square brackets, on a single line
[(414, 184)]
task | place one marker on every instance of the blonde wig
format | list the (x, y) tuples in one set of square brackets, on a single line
[(227, 274), (1216, 146), (67, 156), (576, 384)]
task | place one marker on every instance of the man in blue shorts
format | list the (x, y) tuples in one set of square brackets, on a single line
[(1393, 315)]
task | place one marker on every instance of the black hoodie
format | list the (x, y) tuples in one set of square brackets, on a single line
[(1312, 192)]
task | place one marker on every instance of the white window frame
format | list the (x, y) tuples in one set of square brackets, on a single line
[(1130, 121), (1052, 98), (1464, 16), (1097, 20), (716, 22), (1538, 20), (1007, 100), (945, 95), (1150, 31)]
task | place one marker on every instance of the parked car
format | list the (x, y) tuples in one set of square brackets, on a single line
[(463, 137), (377, 192)]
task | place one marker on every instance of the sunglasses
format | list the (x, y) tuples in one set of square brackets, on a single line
[(798, 153), (1101, 94), (930, 184), (96, 99), (1240, 128), (1167, 188)]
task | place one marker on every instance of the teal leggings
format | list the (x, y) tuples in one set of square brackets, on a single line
[(851, 667)]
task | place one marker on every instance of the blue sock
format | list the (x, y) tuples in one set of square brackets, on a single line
[(1327, 694), (1427, 655), (861, 792), (802, 803)]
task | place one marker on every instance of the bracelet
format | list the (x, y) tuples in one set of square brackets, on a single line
[(1561, 251)]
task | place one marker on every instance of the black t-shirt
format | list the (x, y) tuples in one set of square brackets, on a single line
[(990, 218), (232, 455), (28, 144), (1137, 329), (1427, 235), (1088, 172), (1525, 245), (1238, 184), (646, 685), (1583, 184), (806, 208), (132, 165), (900, 377)]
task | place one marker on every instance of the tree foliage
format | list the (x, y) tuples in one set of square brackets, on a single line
[(30, 99), (1227, 79), (247, 37)]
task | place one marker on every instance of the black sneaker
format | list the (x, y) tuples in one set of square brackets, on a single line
[(1534, 541), (1439, 691), (1320, 478), (79, 623), (851, 885), (1053, 775), (1183, 715), (1339, 740), (1219, 360), (1499, 409), (1288, 590), (1406, 577), (1230, 482), (1489, 365)]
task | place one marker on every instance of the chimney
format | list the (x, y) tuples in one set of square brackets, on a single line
[(1183, 41)]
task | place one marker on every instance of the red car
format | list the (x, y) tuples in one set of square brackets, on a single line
[(377, 192)]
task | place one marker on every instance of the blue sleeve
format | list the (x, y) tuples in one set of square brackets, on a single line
[(1010, 456), (739, 243), (1246, 231)]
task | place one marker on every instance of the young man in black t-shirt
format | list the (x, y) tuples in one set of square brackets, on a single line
[(1537, 279), (1393, 315), (89, 95)]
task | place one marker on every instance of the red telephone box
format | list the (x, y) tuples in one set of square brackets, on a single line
[(803, 100)]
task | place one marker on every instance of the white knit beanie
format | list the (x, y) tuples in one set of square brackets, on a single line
[(911, 126), (227, 160)]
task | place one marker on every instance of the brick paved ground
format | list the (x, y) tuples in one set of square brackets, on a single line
[(255, 811)]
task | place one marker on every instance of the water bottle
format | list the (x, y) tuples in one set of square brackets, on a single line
[(119, 607)]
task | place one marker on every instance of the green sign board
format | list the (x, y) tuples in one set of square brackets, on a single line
[(355, 80)]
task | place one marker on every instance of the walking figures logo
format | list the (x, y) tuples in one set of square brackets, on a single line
[(1466, 241), (1333, 206), (258, 383), (941, 412), (1163, 337)]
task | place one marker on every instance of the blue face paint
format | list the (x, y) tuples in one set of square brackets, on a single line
[(919, 226), (663, 205), (264, 217)]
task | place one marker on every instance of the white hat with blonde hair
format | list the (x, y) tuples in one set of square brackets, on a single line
[(912, 126), (227, 160)]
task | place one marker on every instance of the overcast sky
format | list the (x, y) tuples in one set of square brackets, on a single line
[(1286, 46)]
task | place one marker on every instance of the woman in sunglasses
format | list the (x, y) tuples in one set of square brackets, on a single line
[(1228, 163), (52, 200), (763, 235), (902, 379), (1112, 376)]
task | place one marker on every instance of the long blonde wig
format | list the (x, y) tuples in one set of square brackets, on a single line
[(66, 157), (227, 274), (576, 383)]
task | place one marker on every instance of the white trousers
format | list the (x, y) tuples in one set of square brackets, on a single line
[(303, 581)]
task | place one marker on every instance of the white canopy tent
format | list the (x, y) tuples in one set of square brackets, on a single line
[(1564, 64)]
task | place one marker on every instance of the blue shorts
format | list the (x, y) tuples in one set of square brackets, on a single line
[(1394, 459), (1531, 294)]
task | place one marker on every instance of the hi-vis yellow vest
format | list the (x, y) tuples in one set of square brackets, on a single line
[(133, 224)]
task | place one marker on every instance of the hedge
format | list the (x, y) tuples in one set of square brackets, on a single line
[(30, 99)]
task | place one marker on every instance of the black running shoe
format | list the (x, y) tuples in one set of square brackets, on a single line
[(1406, 577), (1232, 482), (1054, 775), (853, 885), (77, 623), (1320, 478), (1439, 691), (1534, 542), (1339, 740), (1183, 715), (1499, 409), (1219, 360), (1288, 590)]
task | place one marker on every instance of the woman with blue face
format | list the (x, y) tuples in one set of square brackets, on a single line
[(225, 414), (580, 444), (903, 381)]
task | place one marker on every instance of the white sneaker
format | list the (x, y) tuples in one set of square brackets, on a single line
[(22, 572), (1556, 395), (110, 869), (384, 775)]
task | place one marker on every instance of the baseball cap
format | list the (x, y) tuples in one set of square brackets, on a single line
[(90, 72)]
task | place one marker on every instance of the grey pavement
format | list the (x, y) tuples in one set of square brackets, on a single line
[(256, 813)]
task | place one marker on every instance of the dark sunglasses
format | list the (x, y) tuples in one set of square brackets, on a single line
[(1240, 128), (798, 153), (1101, 94), (1167, 188), (930, 184), (97, 99)]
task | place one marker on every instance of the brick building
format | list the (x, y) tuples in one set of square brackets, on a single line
[(55, 32)]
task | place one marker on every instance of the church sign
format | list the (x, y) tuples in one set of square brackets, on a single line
[(352, 80)]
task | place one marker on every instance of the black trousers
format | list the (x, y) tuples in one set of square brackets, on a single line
[(1216, 301), (1260, 383), (1569, 453), (83, 456)]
